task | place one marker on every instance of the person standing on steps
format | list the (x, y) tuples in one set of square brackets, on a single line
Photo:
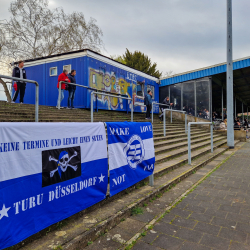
[(19, 72), (167, 102), (71, 89), (148, 103), (62, 78)]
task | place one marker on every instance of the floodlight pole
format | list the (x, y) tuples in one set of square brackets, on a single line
[(230, 125)]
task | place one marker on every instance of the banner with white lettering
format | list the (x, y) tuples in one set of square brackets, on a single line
[(131, 153), (48, 172)]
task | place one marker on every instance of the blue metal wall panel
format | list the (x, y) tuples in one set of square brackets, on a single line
[(107, 78), (35, 73), (204, 73)]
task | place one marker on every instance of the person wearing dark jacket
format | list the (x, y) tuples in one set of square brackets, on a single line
[(19, 72), (166, 101), (148, 103), (71, 89)]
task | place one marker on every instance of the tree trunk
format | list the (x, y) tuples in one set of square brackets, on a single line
[(6, 91)]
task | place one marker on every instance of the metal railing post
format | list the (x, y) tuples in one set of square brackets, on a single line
[(185, 122), (164, 123), (189, 145), (96, 103), (37, 103), (92, 105), (152, 112), (132, 111), (60, 92), (212, 137)]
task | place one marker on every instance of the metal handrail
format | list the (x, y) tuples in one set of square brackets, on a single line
[(153, 108), (164, 119), (189, 137), (86, 87), (99, 93), (37, 91), (60, 89)]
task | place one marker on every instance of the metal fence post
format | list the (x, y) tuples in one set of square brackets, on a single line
[(222, 105), (60, 93), (212, 138), (164, 122), (189, 145), (152, 112), (96, 103), (132, 111), (151, 180), (37, 103), (92, 106), (185, 122)]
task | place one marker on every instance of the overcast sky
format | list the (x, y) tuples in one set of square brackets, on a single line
[(179, 35)]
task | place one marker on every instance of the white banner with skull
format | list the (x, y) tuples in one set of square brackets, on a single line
[(48, 172)]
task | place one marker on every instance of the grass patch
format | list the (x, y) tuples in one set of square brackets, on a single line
[(90, 242), (130, 246), (58, 248), (136, 210)]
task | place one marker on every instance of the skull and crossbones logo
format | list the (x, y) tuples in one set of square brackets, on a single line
[(62, 162)]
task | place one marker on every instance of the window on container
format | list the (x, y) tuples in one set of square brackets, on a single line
[(67, 67), (53, 71), (93, 79), (140, 88), (152, 88)]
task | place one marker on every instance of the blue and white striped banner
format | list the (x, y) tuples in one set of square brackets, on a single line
[(48, 172), (131, 153)]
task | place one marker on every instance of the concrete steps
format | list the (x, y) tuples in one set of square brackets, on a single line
[(170, 153), (79, 231), (161, 157)]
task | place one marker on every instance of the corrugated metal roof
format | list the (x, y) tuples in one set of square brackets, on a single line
[(203, 72)]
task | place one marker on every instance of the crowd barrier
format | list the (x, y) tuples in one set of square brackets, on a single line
[(37, 91), (51, 171)]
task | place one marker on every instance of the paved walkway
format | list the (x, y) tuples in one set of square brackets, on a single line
[(216, 215)]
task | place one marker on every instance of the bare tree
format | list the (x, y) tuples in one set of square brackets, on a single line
[(168, 73), (36, 31)]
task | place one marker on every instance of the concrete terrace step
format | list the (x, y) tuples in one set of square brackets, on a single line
[(175, 131), (165, 167), (178, 152), (174, 146), (83, 228), (182, 139), (173, 136)]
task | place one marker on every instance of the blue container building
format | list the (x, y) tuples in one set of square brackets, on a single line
[(94, 71)]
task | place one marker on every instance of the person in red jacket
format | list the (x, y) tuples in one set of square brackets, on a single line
[(62, 77)]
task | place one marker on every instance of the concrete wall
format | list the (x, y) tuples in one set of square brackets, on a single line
[(238, 134)]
